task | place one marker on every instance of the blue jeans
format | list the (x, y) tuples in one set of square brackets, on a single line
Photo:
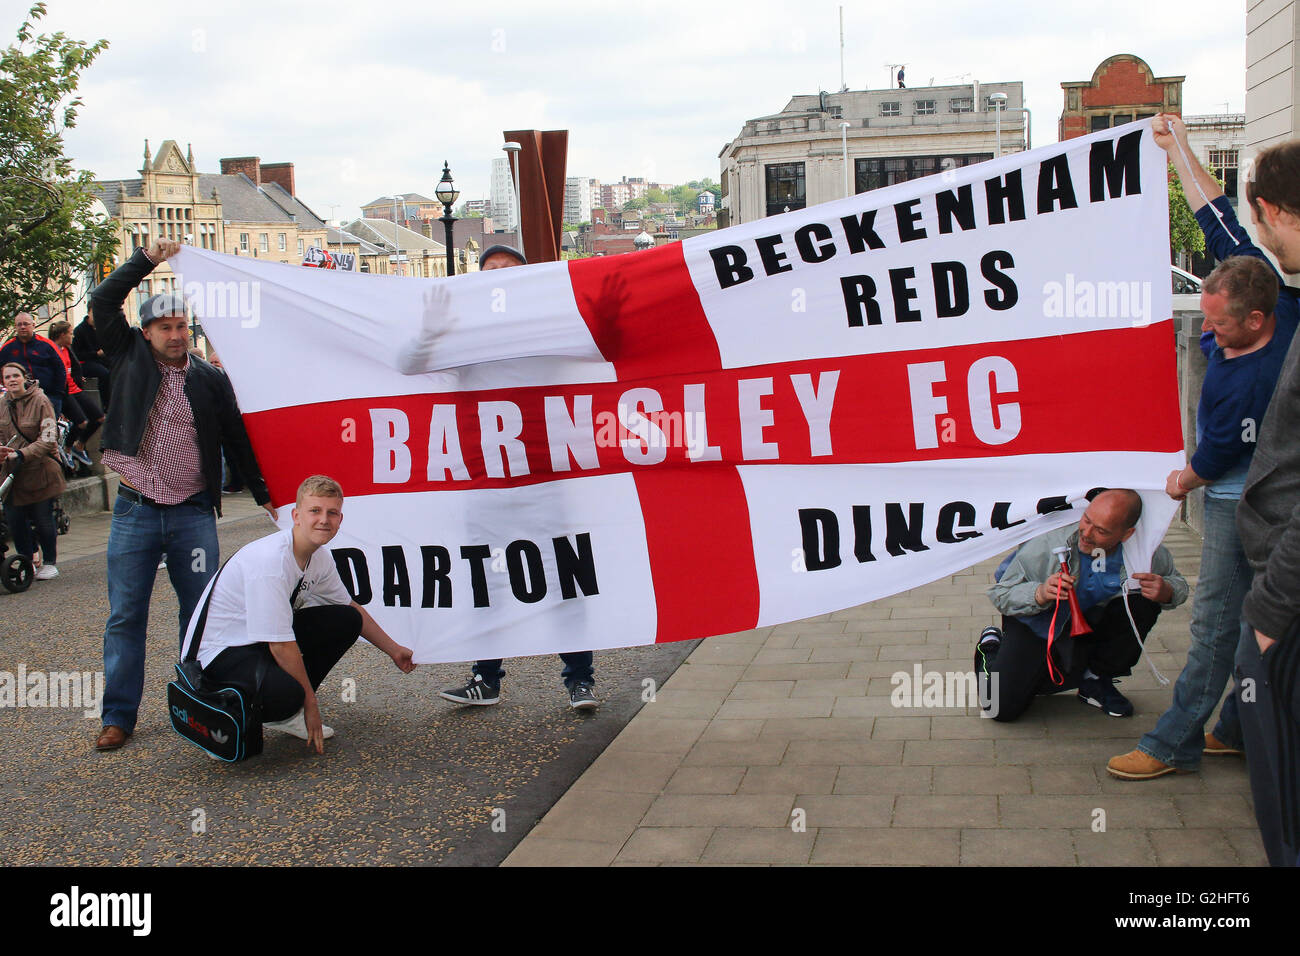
[(577, 667), (1179, 734), (139, 536)]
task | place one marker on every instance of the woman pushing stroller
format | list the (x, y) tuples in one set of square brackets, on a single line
[(28, 451)]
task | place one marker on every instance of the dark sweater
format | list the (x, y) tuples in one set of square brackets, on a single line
[(1268, 515), (1234, 398)]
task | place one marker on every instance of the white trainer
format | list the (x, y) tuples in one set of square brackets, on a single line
[(295, 726), (45, 572)]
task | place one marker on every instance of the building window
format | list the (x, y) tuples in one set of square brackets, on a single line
[(891, 109), (1223, 163), (785, 188), (836, 111), (1099, 123), (243, 242), (961, 104), (301, 250), (925, 107), (262, 242), (282, 245), (877, 172), (991, 105)]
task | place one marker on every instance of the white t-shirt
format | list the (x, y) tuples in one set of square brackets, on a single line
[(251, 601)]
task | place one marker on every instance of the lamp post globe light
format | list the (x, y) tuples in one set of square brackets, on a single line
[(447, 194)]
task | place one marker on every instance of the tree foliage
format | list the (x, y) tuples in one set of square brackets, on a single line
[(49, 235), (1185, 233)]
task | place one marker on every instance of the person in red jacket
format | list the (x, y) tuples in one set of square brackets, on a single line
[(79, 407)]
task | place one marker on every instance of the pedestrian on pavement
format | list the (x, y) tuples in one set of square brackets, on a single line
[(85, 344), (169, 418), (28, 451), (37, 354), (1249, 324), (279, 605), (1026, 657), (1268, 521), (79, 407), (484, 685)]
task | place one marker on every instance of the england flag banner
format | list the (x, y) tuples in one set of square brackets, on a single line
[(770, 422)]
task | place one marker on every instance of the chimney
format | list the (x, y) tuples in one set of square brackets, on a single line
[(250, 166), (281, 173)]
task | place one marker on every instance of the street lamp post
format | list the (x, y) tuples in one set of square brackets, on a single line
[(512, 164), (1029, 123), (447, 192), (844, 140), (999, 101), (397, 241)]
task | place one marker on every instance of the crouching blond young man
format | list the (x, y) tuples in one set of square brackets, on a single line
[(280, 601)]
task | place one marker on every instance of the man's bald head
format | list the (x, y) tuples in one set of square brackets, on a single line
[(1122, 505), (1109, 520)]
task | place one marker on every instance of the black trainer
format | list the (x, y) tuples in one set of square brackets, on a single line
[(477, 692), (581, 697), (1100, 692), (987, 648)]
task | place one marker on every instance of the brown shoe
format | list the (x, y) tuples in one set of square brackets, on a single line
[(110, 738), (1135, 765), (1216, 747)]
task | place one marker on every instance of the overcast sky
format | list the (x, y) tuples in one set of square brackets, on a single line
[(370, 98)]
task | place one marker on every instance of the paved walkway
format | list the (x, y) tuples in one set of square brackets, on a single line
[(88, 534), (782, 746)]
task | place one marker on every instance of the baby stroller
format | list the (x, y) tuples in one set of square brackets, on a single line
[(16, 572)]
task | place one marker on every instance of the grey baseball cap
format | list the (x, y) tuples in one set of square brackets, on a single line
[(166, 303), (508, 250)]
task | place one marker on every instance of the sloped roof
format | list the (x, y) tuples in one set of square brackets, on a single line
[(241, 200), (336, 237), (388, 200), (380, 232), (293, 206), (108, 190)]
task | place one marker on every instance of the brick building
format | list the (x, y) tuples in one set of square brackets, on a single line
[(1122, 89), (250, 208)]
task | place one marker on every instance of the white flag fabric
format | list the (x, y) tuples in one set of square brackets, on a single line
[(766, 423)]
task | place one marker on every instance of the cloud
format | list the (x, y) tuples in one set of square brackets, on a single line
[(367, 99)]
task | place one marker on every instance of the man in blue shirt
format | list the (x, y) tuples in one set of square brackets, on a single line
[(1247, 330), (1018, 661)]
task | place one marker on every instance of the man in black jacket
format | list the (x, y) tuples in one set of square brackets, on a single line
[(85, 346), (163, 435), (1268, 521)]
